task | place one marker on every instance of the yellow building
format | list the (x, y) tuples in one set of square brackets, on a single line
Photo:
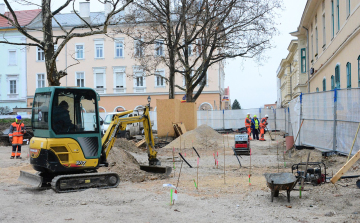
[(291, 81), (329, 38)]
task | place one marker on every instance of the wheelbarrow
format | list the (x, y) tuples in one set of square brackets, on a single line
[(280, 181)]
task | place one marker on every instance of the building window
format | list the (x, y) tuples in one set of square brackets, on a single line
[(139, 51), (139, 81), (303, 60), (317, 89), (332, 82), (159, 79), (119, 48), (119, 79), (80, 79), (40, 82), (348, 8), (312, 47), (159, 48), (358, 59), (99, 50), (332, 19), (12, 86), (348, 74), (12, 57), (338, 14), (99, 82), (79, 48), (324, 30), (337, 76), (316, 41), (324, 84), (40, 56)]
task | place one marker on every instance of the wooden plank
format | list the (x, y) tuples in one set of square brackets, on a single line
[(176, 129), (140, 143), (182, 127), (345, 168)]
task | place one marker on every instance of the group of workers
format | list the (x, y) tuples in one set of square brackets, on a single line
[(254, 125)]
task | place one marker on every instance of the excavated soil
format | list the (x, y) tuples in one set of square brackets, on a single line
[(203, 137)]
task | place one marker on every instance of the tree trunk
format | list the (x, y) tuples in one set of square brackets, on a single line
[(172, 75), (48, 44)]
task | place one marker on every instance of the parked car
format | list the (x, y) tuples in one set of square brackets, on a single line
[(131, 129)]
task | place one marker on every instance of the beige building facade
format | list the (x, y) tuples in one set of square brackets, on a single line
[(329, 38), (291, 81), (108, 65)]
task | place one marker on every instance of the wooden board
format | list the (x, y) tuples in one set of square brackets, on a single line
[(167, 112), (345, 168), (140, 143), (177, 129), (182, 128), (188, 115)]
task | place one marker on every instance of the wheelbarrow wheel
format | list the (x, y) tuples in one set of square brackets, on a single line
[(288, 195), (272, 196)]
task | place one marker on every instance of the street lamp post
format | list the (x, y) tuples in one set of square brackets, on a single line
[(149, 100)]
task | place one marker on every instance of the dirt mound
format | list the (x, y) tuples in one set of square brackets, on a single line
[(127, 145), (201, 137)]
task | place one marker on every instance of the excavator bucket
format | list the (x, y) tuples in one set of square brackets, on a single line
[(31, 179), (156, 169)]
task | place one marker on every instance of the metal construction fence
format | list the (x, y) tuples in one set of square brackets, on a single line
[(327, 120)]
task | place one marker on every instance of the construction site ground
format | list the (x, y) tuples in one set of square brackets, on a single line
[(217, 199)]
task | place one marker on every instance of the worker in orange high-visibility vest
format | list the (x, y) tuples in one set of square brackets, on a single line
[(248, 125), (16, 133), (263, 124)]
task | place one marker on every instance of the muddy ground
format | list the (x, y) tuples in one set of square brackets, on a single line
[(216, 200)]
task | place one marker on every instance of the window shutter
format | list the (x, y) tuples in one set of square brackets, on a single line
[(119, 80), (99, 80)]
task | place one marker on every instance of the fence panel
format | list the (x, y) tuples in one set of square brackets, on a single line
[(348, 118), (280, 119)]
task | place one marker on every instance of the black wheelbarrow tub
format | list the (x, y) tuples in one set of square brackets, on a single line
[(280, 181)]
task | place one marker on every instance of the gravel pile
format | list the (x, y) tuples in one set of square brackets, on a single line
[(203, 137)]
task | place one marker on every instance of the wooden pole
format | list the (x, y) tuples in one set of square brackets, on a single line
[(353, 143), (297, 134), (345, 168), (174, 159), (197, 174), (277, 154), (305, 172)]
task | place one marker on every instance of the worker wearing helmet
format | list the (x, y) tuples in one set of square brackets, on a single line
[(263, 125), (255, 123), (248, 125), (16, 133)]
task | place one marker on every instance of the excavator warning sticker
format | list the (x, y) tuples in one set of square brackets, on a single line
[(80, 163)]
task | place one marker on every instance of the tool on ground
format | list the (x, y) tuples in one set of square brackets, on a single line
[(357, 131), (280, 181), (236, 156), (314, 174), (242, 145), (67, 148), (303, 177), (269, 134)]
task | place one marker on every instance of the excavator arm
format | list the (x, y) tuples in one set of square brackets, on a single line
[(119, 124)]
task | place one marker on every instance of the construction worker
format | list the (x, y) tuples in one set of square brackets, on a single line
[(16, 133), (263, 124), (248, 125), (255, 127)]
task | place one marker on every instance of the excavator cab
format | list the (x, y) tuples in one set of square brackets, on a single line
[(67, 148)]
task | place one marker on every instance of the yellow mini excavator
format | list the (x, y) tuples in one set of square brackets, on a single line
[(67, 148)]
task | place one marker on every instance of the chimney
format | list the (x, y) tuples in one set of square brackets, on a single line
[(2, 8), (107, 6), (84, 9)]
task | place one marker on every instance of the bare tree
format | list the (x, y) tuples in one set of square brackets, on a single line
[(49, 39), (200, 33)]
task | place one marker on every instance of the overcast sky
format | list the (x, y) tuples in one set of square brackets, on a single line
[(253, 85)]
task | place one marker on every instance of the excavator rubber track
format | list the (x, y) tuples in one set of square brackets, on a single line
[(78, 182)]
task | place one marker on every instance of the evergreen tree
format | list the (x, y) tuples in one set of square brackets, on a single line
[(236, 105)]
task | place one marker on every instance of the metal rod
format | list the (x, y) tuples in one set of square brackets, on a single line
[(353, 143)]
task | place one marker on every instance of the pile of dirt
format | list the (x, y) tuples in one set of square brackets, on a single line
[(201, 137), (127, 145), (123, 163)]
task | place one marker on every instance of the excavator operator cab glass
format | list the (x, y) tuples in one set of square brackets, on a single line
[(40, 110), (73, 111)]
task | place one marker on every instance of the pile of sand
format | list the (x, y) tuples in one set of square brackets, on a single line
[(123, 163), (203, 137), (127, 145)]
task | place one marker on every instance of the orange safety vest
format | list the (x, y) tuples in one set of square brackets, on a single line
[(247, 122), (263, 122), (16, 133)]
